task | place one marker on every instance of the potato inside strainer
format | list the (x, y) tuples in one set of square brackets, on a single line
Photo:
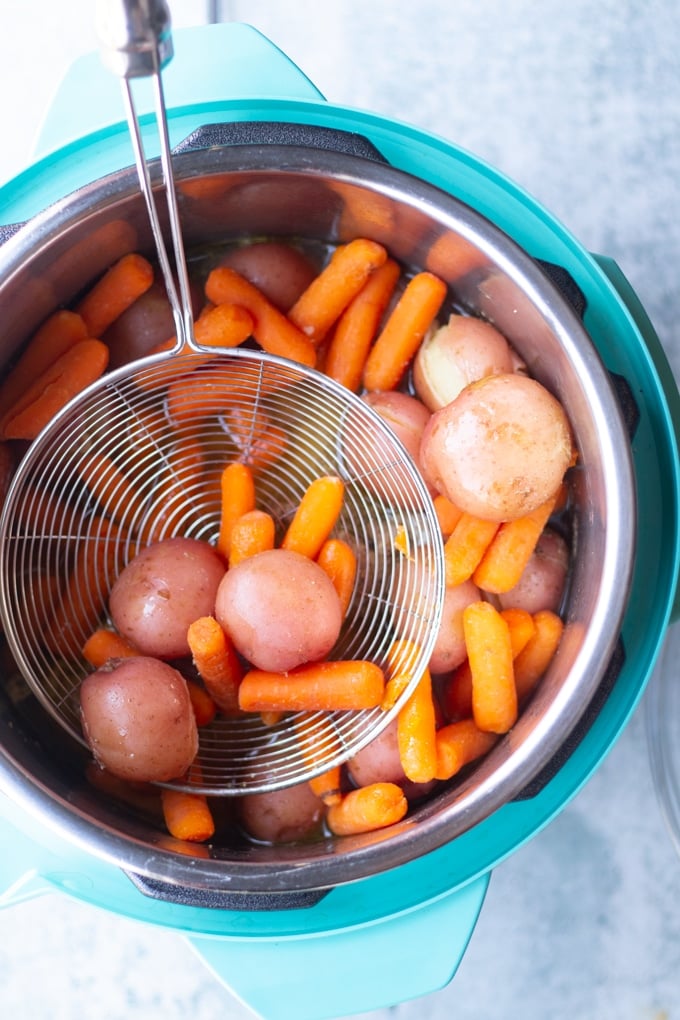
[(138, 458)]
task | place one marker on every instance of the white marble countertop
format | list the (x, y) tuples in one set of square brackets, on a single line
[(579, 103)]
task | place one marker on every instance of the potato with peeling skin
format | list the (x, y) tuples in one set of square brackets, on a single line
[(464, 350), (500, 449), (138, 721)]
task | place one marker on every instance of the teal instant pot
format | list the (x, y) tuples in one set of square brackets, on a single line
[(270, 926)]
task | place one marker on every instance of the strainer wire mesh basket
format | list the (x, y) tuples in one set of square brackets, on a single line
[(137, 458)]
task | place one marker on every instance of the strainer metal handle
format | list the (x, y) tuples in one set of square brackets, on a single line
[(137, 43)]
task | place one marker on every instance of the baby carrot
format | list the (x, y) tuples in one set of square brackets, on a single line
[(187, 815), (58, 333), (487, 639), (366, 809), (317, 739), (465, 547), (328, 295), (80, 365), (337, 558), (237, 490), (509, 552), (537, 654), (358, 325), (203, 705), (114, 292), (338, 685), (275, 333), (327, 786), (405, 328), (315, 516), (447, 513), (402, 658), (217, 326), (458, 744), (456, 694), (216, 662), (521, 626), (416, 730), (251, 533), (106, 644)]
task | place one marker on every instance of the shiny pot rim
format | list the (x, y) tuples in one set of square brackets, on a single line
[(502, 775)]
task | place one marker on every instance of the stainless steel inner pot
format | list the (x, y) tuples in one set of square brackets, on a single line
[(296, 191)]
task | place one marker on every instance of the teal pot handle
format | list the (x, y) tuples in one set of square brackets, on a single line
[(344, 973), (659, 360), (227, 61)]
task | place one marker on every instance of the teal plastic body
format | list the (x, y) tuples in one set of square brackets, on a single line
[(433, 901)]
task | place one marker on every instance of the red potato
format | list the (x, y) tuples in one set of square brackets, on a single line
[(162, 591), (278, 269), (500, 449), (406, 416), (541, 585), (449, 648), (138, 721), (280, 609), (282, 816), (379, 762), (464, 350), (146, 323)]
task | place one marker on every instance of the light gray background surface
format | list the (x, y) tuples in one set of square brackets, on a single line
[(579, 103)]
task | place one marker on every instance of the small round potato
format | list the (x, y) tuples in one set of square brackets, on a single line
[(280, 609), (500, 449), (281, 816), (162, 591), (137, 719)]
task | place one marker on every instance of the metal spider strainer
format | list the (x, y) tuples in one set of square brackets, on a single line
[(165, 427)]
